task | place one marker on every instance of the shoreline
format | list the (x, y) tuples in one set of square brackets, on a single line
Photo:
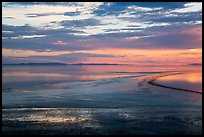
[(152, 82)]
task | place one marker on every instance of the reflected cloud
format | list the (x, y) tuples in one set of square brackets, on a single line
[(189, 77), (190, 81), (29, 74)]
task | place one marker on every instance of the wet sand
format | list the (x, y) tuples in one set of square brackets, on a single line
[(182, 87), (126, 103), (101, 121)]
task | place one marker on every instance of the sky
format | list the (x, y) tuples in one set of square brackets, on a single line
[(140, 33)]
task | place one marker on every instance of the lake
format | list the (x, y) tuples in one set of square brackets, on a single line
[(101, 99)]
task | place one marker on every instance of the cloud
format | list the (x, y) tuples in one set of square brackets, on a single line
[(66, 58), (182, 18), (189, 7), (162, 17), (33, 38), (58, 43), (34, 15), (71, 13), (38, 3), (25, 37), (74, 27), (178, 38), (82, 55), (80, 23), (54, 11), (116, 8), (8, 17), (26, 30), (14, 60), (29, 53), (143, 9), (76, 57), (85, 17), (40, 44)]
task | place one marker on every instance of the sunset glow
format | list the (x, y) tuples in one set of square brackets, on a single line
[(130, 33), (102, 68)]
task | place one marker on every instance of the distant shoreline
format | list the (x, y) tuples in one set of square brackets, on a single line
[(55, 64), (86, 64)]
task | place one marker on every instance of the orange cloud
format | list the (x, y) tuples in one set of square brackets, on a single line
[(27, 53)]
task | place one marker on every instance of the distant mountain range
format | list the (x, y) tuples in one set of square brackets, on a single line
[(80, 64), (195, 64), (94, 64), (55, 64), (35, 64)]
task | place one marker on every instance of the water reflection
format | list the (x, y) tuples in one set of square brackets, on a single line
[(30, 74), (21, 76), (102, 121), (49, 115), (190, 81), (189, 77), (57, 119)]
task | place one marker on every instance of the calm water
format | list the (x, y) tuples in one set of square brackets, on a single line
[(188, 80), (100, 100)]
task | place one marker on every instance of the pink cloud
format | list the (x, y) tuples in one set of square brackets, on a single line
[(58, 43)]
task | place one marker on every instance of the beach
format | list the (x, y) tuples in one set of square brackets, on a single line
[(108, 100)]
